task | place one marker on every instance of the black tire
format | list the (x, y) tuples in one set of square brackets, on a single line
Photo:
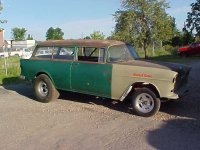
[(184, 54), (145, 103), (44, 90)]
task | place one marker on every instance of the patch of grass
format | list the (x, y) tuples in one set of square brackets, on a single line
[(168, 55), (13, 70), (158, 52)]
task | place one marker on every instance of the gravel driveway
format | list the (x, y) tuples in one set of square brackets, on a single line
[(77, 121)]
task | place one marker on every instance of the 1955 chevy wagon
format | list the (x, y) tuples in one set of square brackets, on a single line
[(104, 68)]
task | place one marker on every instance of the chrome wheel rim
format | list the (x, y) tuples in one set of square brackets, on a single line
[(144, 103), (43, 89)]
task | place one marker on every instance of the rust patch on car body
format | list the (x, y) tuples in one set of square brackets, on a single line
[(81, 43)]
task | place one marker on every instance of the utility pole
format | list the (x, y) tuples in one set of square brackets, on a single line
[(2, 42), (2, 45)]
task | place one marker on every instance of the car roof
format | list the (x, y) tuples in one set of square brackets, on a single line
[(81, 43)]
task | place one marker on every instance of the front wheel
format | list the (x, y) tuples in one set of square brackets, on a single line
[(145, 103), (44, 90)]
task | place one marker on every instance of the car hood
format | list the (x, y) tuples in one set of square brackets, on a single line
[(180, 68), (183, 48)]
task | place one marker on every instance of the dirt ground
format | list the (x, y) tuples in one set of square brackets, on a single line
[(77, 121)]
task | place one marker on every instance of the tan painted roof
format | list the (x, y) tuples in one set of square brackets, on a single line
[(85, 43)]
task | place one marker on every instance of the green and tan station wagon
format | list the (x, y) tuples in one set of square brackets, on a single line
[(103, 68)]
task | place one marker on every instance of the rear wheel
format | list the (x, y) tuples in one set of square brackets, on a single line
[(145, 103), (44, 90)]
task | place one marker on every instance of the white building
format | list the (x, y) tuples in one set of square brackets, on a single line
[(20, 44)]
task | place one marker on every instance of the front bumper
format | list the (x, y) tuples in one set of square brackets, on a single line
[(179, 93), (181, 86)]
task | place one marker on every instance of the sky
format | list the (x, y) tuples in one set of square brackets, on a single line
[(76, 18)]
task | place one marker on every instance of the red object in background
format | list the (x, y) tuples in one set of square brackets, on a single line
[(193, 49)]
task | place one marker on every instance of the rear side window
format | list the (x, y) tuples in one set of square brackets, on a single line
[(44, 52), (65, 53)]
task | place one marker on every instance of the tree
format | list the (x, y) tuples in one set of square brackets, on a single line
[(176, 40), (18, 34), (29, 37), (97, 35), (54, 34), (143, 21), (87, 38), (193, 19), (187, 38)]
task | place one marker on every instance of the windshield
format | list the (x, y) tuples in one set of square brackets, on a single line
[(132, 51), (120, 53)]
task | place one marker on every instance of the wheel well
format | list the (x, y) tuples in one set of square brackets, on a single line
[(184, 54), (39, 73), (146, 85)]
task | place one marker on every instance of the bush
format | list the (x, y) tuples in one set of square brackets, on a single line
[(161, 53), (13, 70), (170, 49), (167, 50)]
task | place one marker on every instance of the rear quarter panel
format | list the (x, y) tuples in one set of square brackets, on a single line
[(30, 68), (58, 71)]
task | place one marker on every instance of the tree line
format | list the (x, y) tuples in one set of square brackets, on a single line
[(19, 34), (143, 22)]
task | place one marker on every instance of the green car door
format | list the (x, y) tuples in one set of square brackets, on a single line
[(61, 67), (91, 78), (60, 73), (89, 74)]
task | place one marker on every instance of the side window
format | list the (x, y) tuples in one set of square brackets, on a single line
[(116, 54), (55, 50), (91, 54), (65, 53), (44, 52)]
